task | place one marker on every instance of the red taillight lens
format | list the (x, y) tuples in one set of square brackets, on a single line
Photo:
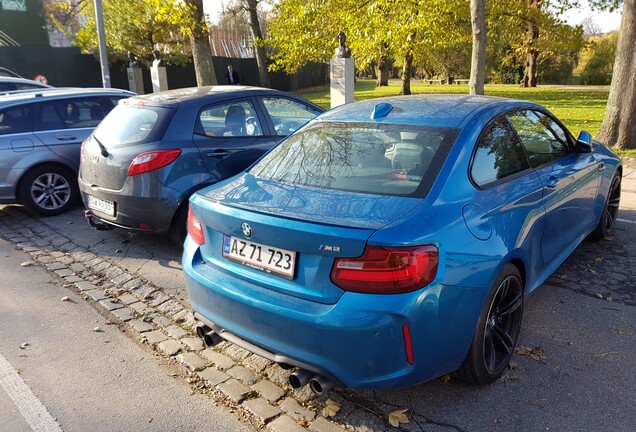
[(195, 229), (151, 161), (387, 270)]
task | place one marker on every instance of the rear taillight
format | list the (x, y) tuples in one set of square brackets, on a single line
[(387, 270), (195, 229), (151, 161)]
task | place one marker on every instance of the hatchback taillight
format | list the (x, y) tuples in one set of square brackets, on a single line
[(151, 161), (195, 229), (387, 270)]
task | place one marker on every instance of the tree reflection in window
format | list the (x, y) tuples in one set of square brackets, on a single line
[(498, 155), (357, 157)]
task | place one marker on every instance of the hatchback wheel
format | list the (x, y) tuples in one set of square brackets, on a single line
[(49, 190), (610, 211), (497, 330), (178, 230)]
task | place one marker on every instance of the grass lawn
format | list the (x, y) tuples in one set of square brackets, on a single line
[(578, 107)]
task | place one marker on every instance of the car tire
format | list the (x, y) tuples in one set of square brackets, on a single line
[(610, 209), (48, 190), (497, 330), (178, 228)]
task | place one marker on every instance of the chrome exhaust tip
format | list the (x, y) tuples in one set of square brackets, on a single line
[(319, 385), (300, 378)]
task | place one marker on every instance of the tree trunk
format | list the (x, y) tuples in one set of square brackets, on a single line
[(201, 51), (257, 35), (530, 72), (406, 74), (383, 72), (619, 128), (478, 59)]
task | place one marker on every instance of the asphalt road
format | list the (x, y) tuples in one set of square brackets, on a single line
[(84, 380), (576, 370)]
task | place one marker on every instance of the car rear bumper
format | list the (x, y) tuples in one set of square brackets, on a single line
[(358, 341), (151, 213)]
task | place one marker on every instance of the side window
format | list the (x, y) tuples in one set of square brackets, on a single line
[(543, 139), (49, 118), (498, 154), (16, 120), (288, 115), (82, 113), (230, 119)]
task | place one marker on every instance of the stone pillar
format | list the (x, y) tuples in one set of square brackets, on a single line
[(135, 80), (342, 81), (159, 78)]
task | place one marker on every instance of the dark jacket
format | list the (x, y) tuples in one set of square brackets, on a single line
[(235, 77)]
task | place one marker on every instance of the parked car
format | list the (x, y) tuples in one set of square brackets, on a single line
[(4, 72), (10, 84), (389, 242), (40, 137), (152, 152)]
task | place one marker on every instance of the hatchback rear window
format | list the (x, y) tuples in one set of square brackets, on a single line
[(369, 158), (127, 125)]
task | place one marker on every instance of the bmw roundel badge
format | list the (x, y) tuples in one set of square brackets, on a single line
[(247, 230)]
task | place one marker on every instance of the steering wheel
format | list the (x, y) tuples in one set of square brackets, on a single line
[(251, 126)]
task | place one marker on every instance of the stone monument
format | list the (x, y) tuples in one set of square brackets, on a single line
[(158, 73), (135, 79), (341, 74)]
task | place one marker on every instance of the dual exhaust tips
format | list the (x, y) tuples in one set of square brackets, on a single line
[(317, 383), (297, 380)]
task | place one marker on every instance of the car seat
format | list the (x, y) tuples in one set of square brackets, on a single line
[(235, 121), (97, 113)]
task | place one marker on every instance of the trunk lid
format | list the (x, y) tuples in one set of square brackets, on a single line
[(318, 225)]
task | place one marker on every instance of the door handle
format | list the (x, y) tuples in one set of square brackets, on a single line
[(601, 167), (218, 154), (552, 182), (66, 137)]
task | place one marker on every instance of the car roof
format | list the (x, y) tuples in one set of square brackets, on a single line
[(4, 72), (184, 95), (55, 93), (439, 110), (7, 79)]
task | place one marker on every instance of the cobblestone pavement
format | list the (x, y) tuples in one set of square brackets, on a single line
[(578, 338)]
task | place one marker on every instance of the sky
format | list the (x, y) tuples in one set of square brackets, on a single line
[(604, 20)]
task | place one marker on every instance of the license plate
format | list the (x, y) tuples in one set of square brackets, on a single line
[(101, 205), (260, 257)]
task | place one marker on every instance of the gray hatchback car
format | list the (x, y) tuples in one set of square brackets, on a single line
[(40, 137), (148, 156)]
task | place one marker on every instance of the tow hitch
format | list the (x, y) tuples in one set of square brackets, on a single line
[(99, 226)]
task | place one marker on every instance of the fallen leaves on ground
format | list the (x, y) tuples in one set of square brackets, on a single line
[(331, 408), (445, 379), (397, 417), (24, 345), (65, 298), (535, 353), (97, 330), (26, 264)]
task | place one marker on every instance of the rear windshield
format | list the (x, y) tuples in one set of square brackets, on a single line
[(127, 125), (369, 158)]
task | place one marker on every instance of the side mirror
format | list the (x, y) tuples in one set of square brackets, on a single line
[(584, 143)]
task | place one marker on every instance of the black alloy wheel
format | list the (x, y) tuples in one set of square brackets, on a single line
[(497, 330), (610, 211)]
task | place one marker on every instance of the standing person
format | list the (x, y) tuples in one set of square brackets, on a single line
[(232, 76)]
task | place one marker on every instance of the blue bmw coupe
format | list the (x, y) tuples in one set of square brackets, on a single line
[(394, 240)]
